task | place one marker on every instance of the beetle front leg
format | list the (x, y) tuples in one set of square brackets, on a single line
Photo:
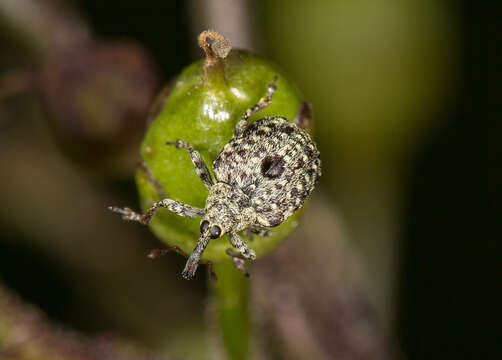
[(171, 205), (241, 246)]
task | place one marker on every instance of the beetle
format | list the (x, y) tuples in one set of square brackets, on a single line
[(261, 177)]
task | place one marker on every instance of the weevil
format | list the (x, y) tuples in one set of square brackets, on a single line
[(261, 177)]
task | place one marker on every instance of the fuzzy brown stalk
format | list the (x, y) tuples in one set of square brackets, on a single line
[(215, 45), (27, 334)]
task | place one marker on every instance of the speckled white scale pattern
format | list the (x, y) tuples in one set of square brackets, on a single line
[(274, 163)]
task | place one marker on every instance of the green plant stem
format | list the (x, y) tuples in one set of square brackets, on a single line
[(231, 297)]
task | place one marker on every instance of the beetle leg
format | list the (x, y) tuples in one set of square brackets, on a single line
[(238, 261), (303, 118), (197, 161), (260, 230), (241, 246), (261, 104), (171, 205)]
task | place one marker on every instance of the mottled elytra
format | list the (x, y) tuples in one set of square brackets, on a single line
[(261, 177)]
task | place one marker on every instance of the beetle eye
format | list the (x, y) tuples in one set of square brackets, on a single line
[(203, 226), (214, 232)]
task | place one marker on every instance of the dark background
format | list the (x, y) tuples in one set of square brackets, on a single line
[(449, 265)]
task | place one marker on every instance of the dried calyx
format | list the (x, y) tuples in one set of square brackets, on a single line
[(215, 45)]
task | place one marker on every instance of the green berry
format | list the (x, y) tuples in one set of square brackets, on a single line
[(202, 108)]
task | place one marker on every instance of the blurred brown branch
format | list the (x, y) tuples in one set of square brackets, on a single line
[(45, 27), (26, 334), (97, 93), (14, 82)]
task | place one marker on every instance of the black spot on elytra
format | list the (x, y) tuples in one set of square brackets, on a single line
[(272, 167), (288, 129)]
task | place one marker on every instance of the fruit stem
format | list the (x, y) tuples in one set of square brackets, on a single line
[(216, 47), (231, 297)]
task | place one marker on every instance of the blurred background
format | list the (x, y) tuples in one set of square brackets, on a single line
[(397, 256)]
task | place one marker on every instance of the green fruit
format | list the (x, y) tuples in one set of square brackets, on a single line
[(203, 107)]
